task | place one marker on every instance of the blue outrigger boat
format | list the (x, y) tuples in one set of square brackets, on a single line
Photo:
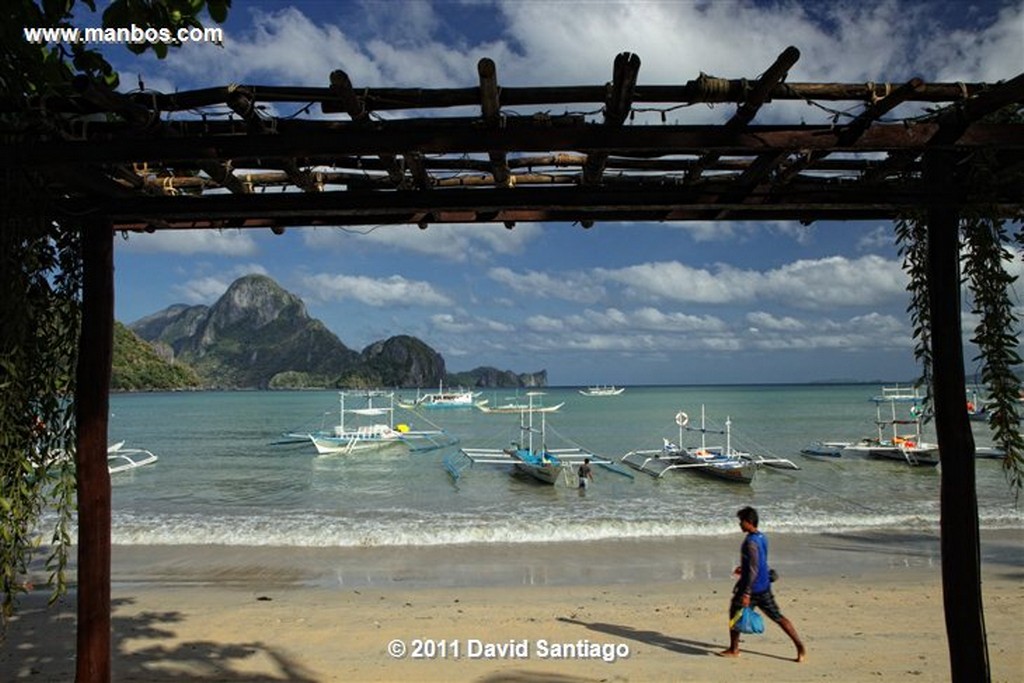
[(557, 466)]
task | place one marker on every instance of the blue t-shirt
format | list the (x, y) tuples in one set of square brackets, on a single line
[(755, 565)]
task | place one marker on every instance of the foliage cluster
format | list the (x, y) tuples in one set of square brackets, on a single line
[(41, 278), (39, 306), (138, 367), (985, 236)]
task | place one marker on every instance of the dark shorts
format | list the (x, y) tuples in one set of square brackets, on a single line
[(765, 601)]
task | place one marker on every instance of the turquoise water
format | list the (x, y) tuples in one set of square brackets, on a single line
[(221, 480)]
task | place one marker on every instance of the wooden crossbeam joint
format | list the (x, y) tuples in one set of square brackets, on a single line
[(490, 106), (849, 134), (618, 104), (756, 97), (341, 88)]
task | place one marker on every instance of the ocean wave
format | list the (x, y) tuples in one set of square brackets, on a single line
[(316, 531)]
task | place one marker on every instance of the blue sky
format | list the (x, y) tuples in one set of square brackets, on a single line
[(626, 303)]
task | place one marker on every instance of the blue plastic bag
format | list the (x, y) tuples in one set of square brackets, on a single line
[(747, 621)]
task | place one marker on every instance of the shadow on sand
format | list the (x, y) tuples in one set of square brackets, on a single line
[(684, 646), (39, 645)]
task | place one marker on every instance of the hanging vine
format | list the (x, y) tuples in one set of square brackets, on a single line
[(39, 306), (41, 284), (985, 239), (911, 237)]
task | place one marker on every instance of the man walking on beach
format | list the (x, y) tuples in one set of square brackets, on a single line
[(754, 587)]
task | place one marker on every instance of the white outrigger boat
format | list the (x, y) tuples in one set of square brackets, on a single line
[(721, 462), (461, 398), (516, 406), (904, 445), (121, 459), (602, 391), (345, 439), (557, 466)]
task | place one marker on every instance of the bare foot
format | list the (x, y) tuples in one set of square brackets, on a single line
[(728, 653), (801, 655)]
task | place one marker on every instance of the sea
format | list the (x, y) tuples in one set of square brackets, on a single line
[(224, 478)]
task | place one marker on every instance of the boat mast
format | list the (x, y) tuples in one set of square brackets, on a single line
[(529, 438), (341, 412), (703, 433)]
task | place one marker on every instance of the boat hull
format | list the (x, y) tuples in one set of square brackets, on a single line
[(734, 469), (341, 445), (927, 456), (541, 466)]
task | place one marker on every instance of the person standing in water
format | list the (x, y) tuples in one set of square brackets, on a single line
[(754, 587), (585, 473)]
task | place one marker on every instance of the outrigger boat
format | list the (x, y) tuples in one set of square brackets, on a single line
[(557, 466), (461, 398), (519, 407), (722, 462), (825, 449), (345, 439), (602, 391), (121, 459), (904, 445)]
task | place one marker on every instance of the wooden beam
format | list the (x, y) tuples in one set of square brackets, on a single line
[(960, 540), (382, 99), (92, 410), (322, 144), (609, 202), (490, 106), (618, 103)]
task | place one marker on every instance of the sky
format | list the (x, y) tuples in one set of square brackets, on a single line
[(620, 303)]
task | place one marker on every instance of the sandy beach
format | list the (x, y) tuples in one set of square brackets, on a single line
[(869, 608)]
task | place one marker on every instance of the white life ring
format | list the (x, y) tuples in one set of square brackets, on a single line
[(682, 419)]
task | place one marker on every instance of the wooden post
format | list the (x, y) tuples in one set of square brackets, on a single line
[(960, 537), (92, 408)]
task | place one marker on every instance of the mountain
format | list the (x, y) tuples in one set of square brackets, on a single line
[(258, 335), (139, 366), (400, 361), (492, 377), (254, 332)]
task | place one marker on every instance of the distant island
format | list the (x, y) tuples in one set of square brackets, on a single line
[(259, 336)]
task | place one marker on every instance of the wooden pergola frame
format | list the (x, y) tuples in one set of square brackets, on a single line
[(215, 159)]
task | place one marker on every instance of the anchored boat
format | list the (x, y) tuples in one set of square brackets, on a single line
[(531, 456), (721, 462)]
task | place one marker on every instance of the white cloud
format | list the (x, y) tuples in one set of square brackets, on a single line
[(207, 289), (454, 242), (390, 291), (676, 281), (821, 283), (566, 286), (223, 243), (204, 290), (446, 322), (767, 321)]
